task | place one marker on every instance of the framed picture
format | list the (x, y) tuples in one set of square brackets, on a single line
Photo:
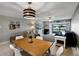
[(17, 24), (12, 25)]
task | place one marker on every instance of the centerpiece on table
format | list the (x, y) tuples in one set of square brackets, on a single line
[(30, 38)]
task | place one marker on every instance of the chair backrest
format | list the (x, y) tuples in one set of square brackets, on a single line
[(54, 44), (12, 47), (53, 49), (60, 51), (16, 51), (38, 37), (19, 37)]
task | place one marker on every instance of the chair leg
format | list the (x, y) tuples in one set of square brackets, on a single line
[(13, 53)]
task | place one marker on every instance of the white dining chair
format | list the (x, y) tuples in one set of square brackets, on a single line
[(15, 50), (39, 37), (60, 51), (19, 37), (53, 49)]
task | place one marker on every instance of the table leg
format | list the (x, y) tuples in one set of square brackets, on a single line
[(49, 51)]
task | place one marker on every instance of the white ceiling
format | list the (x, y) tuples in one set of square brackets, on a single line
[(58, 10)]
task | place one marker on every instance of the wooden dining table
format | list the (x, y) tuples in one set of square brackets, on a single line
[(36, 48)]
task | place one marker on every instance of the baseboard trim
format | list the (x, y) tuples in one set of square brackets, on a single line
[(6, 42)]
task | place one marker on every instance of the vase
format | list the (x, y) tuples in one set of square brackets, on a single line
[(30, 40)]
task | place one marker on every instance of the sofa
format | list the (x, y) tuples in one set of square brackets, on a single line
[(49, 37)]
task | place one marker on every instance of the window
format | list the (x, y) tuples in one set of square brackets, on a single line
[(60, 27)]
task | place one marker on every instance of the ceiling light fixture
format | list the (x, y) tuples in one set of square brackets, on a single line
[(29, 13)]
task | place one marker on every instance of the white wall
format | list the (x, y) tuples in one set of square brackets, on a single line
[(5, 33), (75, 22)]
